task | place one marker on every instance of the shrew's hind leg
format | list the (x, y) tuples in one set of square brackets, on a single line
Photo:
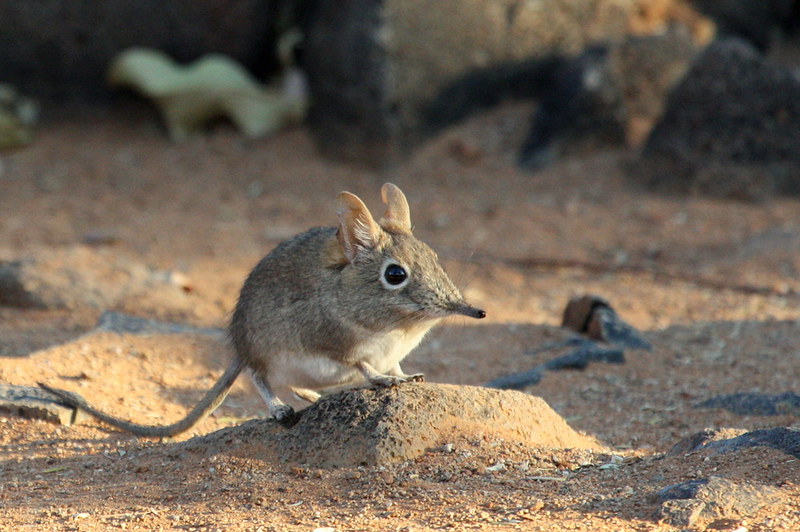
[(283, 413), (307, 395)]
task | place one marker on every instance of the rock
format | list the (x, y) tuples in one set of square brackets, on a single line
[(697, 440), (60, 50), (586, 353), (681, 513), (688, 503), (35, 403), (606, 337), (518, 381), (781, 438), (579, 311), (606, 325), (81, 277), (684, 490), (575, 353), (784, 439), (729, 129), (120, 323), (580, 354), (756, 404), (375, 67), (593, 316), (610, 95), (369, 426)]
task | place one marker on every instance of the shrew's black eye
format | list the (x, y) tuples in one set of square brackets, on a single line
[(395, 274)]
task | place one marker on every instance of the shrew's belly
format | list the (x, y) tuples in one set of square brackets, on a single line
[(314, 371)]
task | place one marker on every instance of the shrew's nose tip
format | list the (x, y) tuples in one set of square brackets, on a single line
[(472, 312)]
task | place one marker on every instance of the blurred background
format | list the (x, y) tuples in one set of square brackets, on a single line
[(645, 151), (654, 137)]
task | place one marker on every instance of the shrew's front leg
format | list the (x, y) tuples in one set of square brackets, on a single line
[(397, 372), (393, 378)]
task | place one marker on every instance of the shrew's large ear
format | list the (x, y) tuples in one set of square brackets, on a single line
[(357, 229), (397, 217)]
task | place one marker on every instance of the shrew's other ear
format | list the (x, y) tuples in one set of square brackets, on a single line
[(397, 217), (357, 229)]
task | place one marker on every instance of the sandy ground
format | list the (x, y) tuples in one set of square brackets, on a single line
[(713, 285)]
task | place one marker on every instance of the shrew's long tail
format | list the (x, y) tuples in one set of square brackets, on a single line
[(208, 404)]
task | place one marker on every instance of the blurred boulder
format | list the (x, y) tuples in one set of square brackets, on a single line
[(609, 95), (81, 277), (785, 439), (755, 404), (753, 21), (375, 67), (60, 49), (729, 129)]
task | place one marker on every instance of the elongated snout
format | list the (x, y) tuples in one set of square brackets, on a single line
[(466, 309)]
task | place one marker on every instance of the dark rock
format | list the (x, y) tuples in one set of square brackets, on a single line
[(699, 439), (607, 335), (375, 67), (755, 404), (610, 95), (730, 128), (754, 21), (587, 352), (684, 490), (607, 325), (518, 381), (57, 49), (783, 439), (688, 503), (577, 358), (593, 316)]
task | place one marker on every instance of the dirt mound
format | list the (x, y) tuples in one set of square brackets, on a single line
[(381, 426)]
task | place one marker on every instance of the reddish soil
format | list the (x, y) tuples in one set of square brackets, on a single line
[(713, 284)]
